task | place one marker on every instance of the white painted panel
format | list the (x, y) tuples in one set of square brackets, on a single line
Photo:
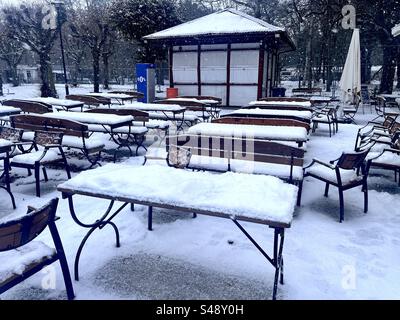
[(185, 67), (244, 66), (184, 48), (187, 90), (215, 91), (242, 95), (214, 46), (245, 45), (213, 67)]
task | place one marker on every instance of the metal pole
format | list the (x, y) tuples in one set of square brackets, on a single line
[(62, 51)]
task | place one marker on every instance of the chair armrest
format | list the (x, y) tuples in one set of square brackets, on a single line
[(315, 160)]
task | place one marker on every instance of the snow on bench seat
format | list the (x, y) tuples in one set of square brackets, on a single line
[(17, 261), (77, 143), (6, 111), (244, 166), (281, 103), (5, 143), (297, 134), (259, 197), (265, 112)]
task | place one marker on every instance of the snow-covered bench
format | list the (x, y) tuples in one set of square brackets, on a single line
[(21, 257), (260, 132), (28, 106), (222, 154), (75, 134)]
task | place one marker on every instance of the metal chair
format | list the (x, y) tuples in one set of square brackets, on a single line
[(346, 172), (16, 240)]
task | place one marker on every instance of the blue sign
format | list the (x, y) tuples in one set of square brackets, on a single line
[(141, 78)]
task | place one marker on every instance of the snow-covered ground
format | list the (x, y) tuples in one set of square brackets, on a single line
[(186, 258)]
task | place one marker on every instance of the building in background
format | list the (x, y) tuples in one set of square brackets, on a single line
[(227, 54)]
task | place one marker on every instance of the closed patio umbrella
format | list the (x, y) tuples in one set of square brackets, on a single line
[(350, 82)]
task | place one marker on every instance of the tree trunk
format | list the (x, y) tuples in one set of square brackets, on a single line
[(96, 70), (1, 83), (106, 73), (47, 88), (388, 69), (14, 75), (398, 71)]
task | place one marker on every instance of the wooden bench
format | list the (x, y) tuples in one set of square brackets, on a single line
[(222, 154), (17, 245), (29, 106), (75, 134), (306, 91), (90, 101), (264, 122), (135, 94)]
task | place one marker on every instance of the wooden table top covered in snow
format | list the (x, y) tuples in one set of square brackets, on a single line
[(277, 133), (255, 198), (64, 103)]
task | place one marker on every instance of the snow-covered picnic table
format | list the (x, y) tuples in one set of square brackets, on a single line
[(63, 103), (273, 133), (8, 111), (257, 112), (239, 197)]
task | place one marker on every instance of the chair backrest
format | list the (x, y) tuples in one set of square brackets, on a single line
[(263, 122), (352, 160), (238, 148), (43, 123), (18, 232), (48, 138), (10, 134), (29, 106), (137, 114)]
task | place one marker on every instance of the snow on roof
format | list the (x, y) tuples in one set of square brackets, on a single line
[(226, 21)]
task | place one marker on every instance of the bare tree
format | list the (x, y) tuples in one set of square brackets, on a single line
[(90, 25), (24, 25), (11, 51)]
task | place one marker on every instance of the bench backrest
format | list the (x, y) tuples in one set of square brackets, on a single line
[(29, 106), (88, 100), (263, 122), (239, 149), (18, 232), (137, 114), (352, 160), (42, 123)]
